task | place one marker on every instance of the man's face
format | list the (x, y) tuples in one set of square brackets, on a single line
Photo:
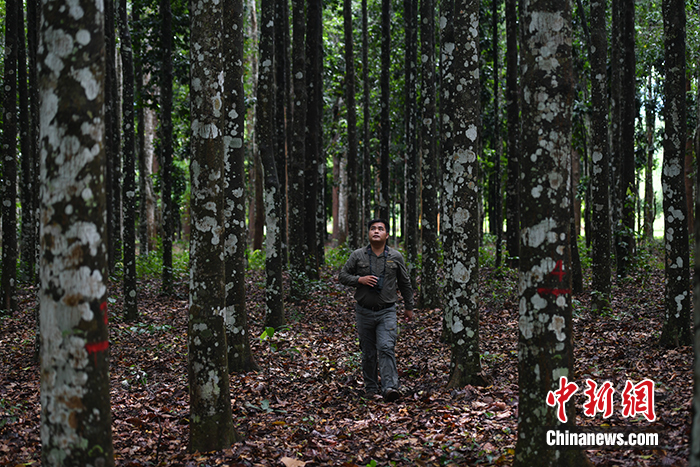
[(377, 232)]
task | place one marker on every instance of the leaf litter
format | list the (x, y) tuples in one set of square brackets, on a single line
[(304, 406)]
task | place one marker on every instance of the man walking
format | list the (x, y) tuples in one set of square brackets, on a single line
[(376, 271)]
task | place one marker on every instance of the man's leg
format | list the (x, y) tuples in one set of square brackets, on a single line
[(386, 341), (366, 330)]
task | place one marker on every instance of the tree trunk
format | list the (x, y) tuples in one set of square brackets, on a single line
[(9, 163), (312, 180), (451, 89), (76, 416), (430, 291), (354, 228), (281, 111), (649, 202), (297, 244), (513, 117), (264, 132), (113, 112), (166, 128), (366, 162), (211, 422), (129, 201), (600, 161), (462, 310), (497, 209), (545, 345), (412, 171), (384, 121), (240, 356), (625, 238), (676, 328), (28, 236)]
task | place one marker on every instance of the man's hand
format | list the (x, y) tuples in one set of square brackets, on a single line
[(368, 280), (408, 315)]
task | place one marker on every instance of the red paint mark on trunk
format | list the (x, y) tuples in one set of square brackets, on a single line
[(103, 309), (96, 347), (549, 291)]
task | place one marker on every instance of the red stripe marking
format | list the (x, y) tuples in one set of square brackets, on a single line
[(557, 292), (97, 347)]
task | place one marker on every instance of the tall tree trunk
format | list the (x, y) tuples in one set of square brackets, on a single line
[(129, 201), (9, 162), (615, 128), (412, 172), (649, 202), (497, 144), (166, 128), (366, 162), (240, 356), (114, 177), (513, 117), (33, 16), (28, 236), (625, 238), (600, 160), (695, 428), (676, 328), (354, 228), (451, 89), (264, 132), (384, 121), (282, 112), (76, 415), (211, 423), (312, 180), (462, 309), (430, 293), (297, 214), (545, 344)]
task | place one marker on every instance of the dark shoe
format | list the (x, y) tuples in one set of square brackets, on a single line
[(391, 395)]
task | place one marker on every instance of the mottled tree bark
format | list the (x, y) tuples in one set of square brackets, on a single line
[(676, 328), (412, 171), (366, 162), (297, 242), (28, 176), (497, 208), (649, 203), (282, 116), (354, 228), (264, 133), (513, 117), (75, 414), (211, 422), (33, 16), (9, 162), (430, 290), (448, 96), (600, 161), (625, 241), (545, 344), (384, 121), (462, 275), (129, 193), (166, 135), (240, 356), (695, 427), (312, 181)]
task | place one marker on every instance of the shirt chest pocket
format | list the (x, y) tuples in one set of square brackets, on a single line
[(363, 268), (391, 268)]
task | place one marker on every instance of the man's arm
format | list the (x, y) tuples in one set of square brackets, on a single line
[(347, 275)]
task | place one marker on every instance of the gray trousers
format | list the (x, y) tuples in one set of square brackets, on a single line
[(377, 333)]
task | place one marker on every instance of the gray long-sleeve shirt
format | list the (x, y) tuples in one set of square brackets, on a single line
[(363, 262)]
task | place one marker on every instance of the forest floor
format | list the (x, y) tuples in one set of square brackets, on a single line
[(304, 406)]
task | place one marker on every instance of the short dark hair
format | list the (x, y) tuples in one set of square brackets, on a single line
[(379, 219)]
